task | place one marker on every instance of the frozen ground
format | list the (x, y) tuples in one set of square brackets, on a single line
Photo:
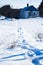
[(21, 41)]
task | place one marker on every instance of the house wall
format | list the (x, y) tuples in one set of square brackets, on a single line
[(29, 14), (26, 14), (35, 13), (21, 14)]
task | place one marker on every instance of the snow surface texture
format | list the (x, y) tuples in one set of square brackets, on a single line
[(21, 41)]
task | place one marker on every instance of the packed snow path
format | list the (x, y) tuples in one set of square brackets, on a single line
[(23, 35)]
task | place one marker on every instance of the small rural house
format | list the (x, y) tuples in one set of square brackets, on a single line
[(23, 13), (29, 12)]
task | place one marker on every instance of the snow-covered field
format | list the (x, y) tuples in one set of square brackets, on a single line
[(21, 41)]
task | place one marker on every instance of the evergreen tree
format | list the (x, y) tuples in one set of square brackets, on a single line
[(40, 8)]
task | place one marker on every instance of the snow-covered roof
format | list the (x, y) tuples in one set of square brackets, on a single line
[(30, 8)]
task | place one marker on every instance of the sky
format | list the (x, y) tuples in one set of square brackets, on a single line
[(20, 3)]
